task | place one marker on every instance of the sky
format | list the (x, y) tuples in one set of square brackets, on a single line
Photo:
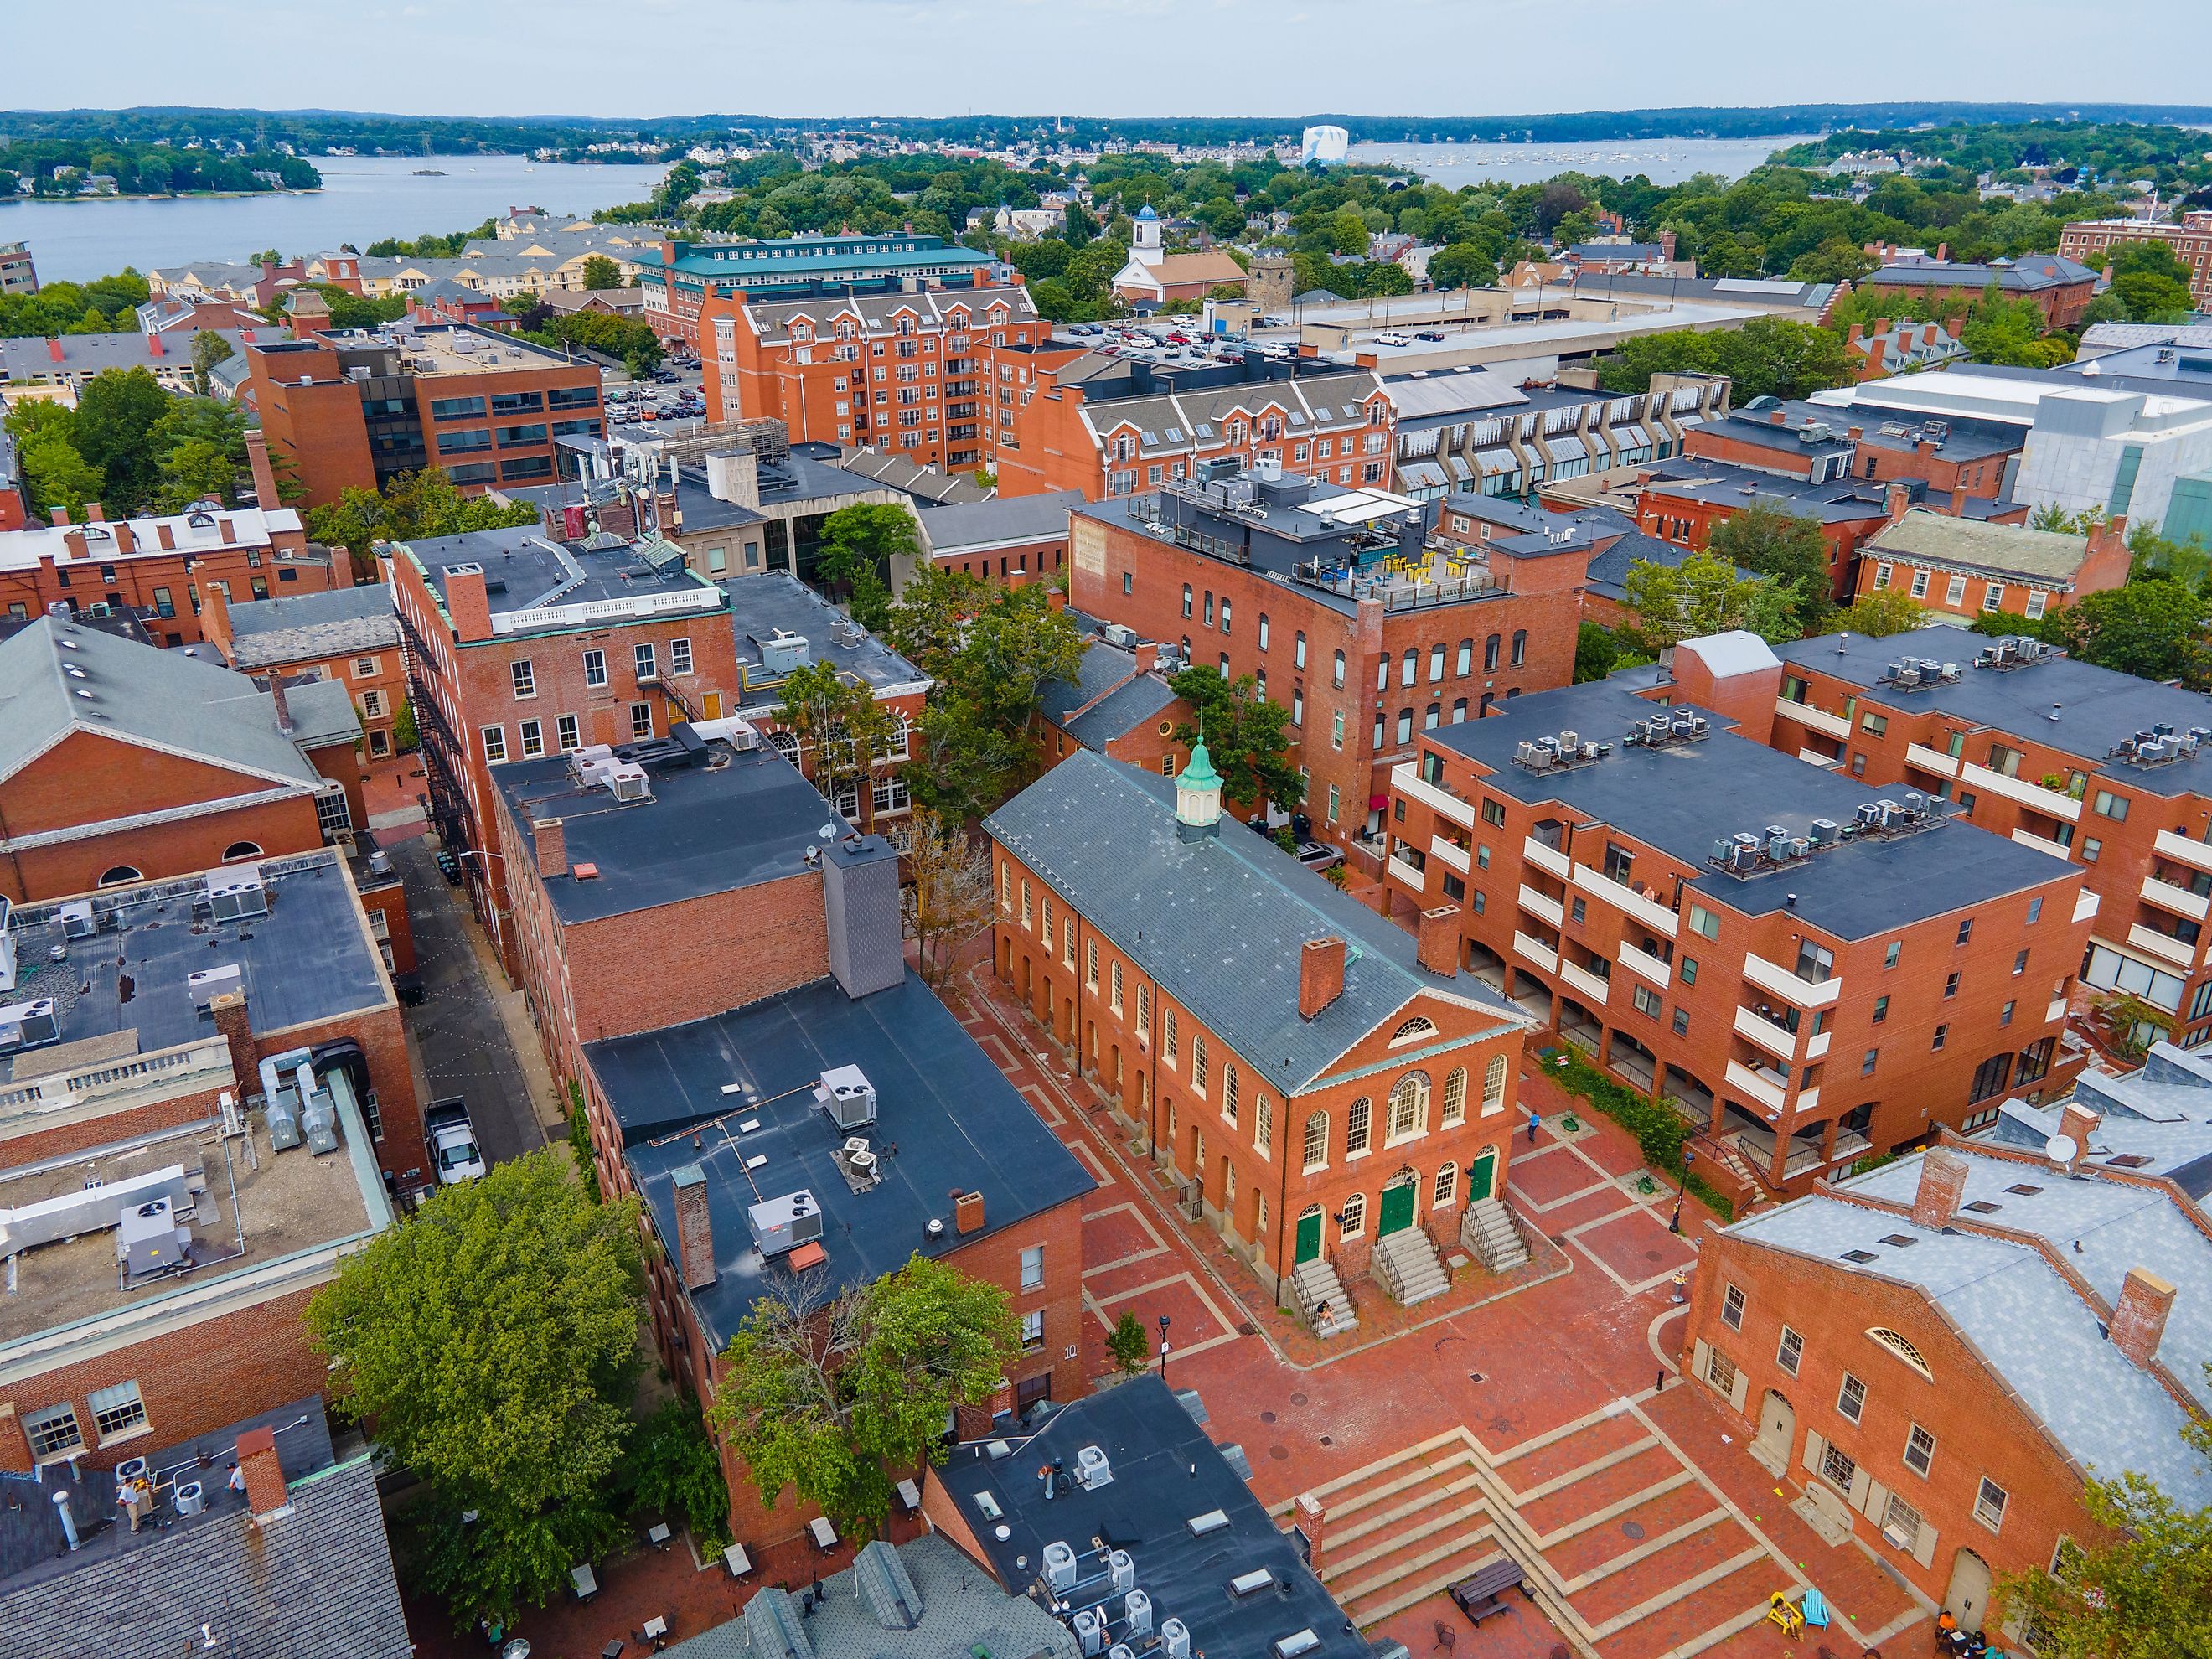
[(639, 58)]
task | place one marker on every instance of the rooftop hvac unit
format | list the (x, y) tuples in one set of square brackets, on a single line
[(77, 920), (235, 894), (1137, 1607), (1914, 803), (1570, 741), (1868, 816), (318, 1122), (1059, 1566), (148, 1240), (784, 651), (191, 1497), (1121, 1570), (782, 1224), (626, 781), (1092, 1470), (284, 1119), (1892, 812), (1089, 1633), (28, 1025), (1174, 1639), (208, 983), (1822, 833), (846, 1094), (1119, 633)]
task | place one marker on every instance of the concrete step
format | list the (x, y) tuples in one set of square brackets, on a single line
[(1406, 1264), (1488, 1230), (1314, 1285)]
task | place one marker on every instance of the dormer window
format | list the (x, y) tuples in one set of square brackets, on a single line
[(802, 331)]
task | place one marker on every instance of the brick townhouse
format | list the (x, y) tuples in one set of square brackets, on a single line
[(519, 645), (1119, 705), (159, 1034), (1111, 426), (1939, 1352), (1952, 459), (1966, 568), (1718, 924), (349, 636), (2091, 242), (711, 1088), (162, 567), (1348, 607), (120, 761), (1343, 1098), (2098, 768), (906, 372), (680, 280)]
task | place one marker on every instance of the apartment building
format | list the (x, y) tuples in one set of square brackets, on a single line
[(18, 274), (1111, 426), (1808, 967), (356, 408), (1347, 605), (1476, 431), (162, 567), (1966, 568), (2097, 767), (1948, 460), (1941, 1350), (1343, 1099), (518, 647), (683, 276), (347, 636), (904, 372), (58, 368), (2091, 242)]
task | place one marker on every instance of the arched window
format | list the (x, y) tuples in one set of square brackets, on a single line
[(241, 849), (1359, 1126), (1490, 653), (120, 874), (1459, 710), (1465, 663), (1431, 717), (786, 746), (1455, 1106), (1903, 1349), (1419, 1026), (1447, 1188), (1409, 1105), (1493, 1084), (1316, 1153), (1520, 647)]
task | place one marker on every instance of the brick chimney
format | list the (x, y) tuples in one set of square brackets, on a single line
[(73, 540), (1897, 501), (1321, 974), (283, 709), (266, 1498), (59, 516), (967, 1212), (1439, 948), (552, 836), (165, 534), (1777, 416), (1858, 331), (1943, 1183), (125, 541), (469, 605), (94, 513), (234, 1026), (264, 475), (2077, 1123), (695, 1228), (54, 350), (1147, 655), (2139, 1321), (1666, 244)]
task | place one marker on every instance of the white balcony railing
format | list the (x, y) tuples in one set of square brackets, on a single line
[(1406, 779), (1643, 961), (2085, 905), (1777, 1040), (1455, 857), (1593, 989), (1652, 913), (2056, 1011), (2158, 944), (1808, 1100), (2027, 794), (1537, 951), (2183, 849), (1785, 984), (1546, 858), (1818, 719), (2041, 844), (1816, 1046), (1537, 905), (1767, 1091), (1931, 760), (2180, 900), (1408, 874)]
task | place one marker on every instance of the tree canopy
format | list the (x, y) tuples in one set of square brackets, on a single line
[(1247, 736), (2154, 629), (1706, 595), (1785, 547), (414, 506), (1877, 615), (130, 446)]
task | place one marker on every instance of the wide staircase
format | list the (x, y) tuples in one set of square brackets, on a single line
[(1315, 1287), (1487, 1229), (1404, 1263)]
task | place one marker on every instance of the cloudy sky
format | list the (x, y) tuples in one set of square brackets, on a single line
[(633, 57)]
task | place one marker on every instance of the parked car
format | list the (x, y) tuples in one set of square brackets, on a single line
[(1318, 856), (1392, 340), (451, 1140)]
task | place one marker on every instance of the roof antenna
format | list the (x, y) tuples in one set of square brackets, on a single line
[(1843, 642)]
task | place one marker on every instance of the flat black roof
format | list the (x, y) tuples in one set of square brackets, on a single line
[(737, 819), (1725, 484), (523, 569), (947, 1120), (1165, 1475), (1682, 798)]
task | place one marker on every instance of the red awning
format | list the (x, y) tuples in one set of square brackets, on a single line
[(1377, 803)]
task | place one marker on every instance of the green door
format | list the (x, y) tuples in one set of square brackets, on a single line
[(1308, 1246), (1397, 1208), (1480, 1175)]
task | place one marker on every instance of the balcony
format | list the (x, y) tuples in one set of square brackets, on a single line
[(1537, 905), (1652, 913), (2183, 850), (1592, 988), (1457, 857), (1786, 985), (2180, 900), (1644, 963), (2085, 905), (2041, 844), (2056, 1011), (1818, 719), (2047, 801), (1406, 779), (1410, 876), (1768, 1091), (1776, 1039), (1808, 1099), (2159, 944), (1931, 760), (1816, 1046), (1537, 951)]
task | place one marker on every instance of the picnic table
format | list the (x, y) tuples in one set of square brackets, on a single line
[(824, 1535), (585, 1580), (735, 1558)]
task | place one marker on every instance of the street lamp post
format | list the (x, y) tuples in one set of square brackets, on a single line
[(1163, 1348), (1676, 1225)]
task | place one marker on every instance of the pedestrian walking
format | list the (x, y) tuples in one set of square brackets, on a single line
[(1534, 1123)]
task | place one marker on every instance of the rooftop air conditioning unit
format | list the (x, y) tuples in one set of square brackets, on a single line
[(1119, 633), (77, 920), (846, 1094), (28, 1025), (237, 893), (782, 1224), (208, 983), (627, 781), (783, 651)]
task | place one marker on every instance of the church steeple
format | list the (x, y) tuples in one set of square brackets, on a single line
[(1198, 796)]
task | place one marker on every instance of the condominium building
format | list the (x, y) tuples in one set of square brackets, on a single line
[(685, 275), (1808, 967), (1476, 431)]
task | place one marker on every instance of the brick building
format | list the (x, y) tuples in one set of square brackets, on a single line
[(1108, 426), (519, 645), (162, 567), (1119, 705), (120, 761), (2057, 284), (684, 276), (1898, 348), (1717, 923), (356, 408), (1964, 567), (181, 1020), (1940, 1351), (1008, 536), (348, 635), (1613, 541), (2091, 242), (1348, 608), (1479, 432), (2054, 754), (1945, 458), (1154, 276), (902, 372), (1343, 1097)]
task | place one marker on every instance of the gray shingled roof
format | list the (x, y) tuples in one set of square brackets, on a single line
[(1102, 668), (1121, 711), (952, 525), (298, 627), (165, 700), (1965, 544), (1218, 921)]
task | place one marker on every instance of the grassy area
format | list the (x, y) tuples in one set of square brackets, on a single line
[(1660, 1132)]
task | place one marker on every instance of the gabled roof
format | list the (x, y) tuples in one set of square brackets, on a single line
[(56, 678), (2046, 555), (1220, 921)]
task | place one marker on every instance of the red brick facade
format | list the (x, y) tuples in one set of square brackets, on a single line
[(376, 679), (2093, 241)]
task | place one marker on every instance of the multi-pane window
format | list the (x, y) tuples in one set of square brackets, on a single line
[(1067, 941), (595, 667), (1791, 1353), (1229, 1094), (1732, 1307), (1263, 1124), (1447, 1187), (1493, 1085), (1901, 1518), (1090, 964), (1033, 1267), (1359, 1126), (1720, 1370), (1919, 1450), (495, 744), (52, 1431), (1990, 1503), (1851, 1400), (1044, 922), (1026, 918), (1033, 1329), (570, 733), (1144, 1012), (643, 654), (1454, 1100), (1167, 1034), (1354, 1215), (524, 676), (679, 656), (533, 738), (117, 1410), (641, 720), (1839, 1467), (1409, 1105), (1314, 1154), (1114, 995), (1198, 1066)]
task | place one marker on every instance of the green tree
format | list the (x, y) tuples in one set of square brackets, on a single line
[(868, 537), (2148, 1595), (2152, 629), (208, 349), (56, 475), (840, 728), (1706, 595), (1130, 1345), (836, 1397), (672, 1468), (491, 1340), (1838, 259), (1785, 547), (1600, 651), (601, 272), (117, 411), (1247, 736), (2151, 282), (1877, 615), (2011, 332), (1463, 264), (405, 734)]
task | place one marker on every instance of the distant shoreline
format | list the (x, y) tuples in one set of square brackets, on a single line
[(165, 195)]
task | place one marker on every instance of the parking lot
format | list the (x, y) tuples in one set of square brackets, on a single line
[(673, 394)]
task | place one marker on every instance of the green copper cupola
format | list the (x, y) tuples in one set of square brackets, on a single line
[(1198, 796)]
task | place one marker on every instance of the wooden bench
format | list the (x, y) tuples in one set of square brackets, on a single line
[(1478, 1593)]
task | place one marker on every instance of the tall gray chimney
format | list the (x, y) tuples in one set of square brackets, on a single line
[(860, 904)]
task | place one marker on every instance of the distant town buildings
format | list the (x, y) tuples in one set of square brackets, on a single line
[(2091, 242), (18, 275)]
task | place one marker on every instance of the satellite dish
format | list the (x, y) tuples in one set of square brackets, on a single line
[(828, 832), (2062, 1150)]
